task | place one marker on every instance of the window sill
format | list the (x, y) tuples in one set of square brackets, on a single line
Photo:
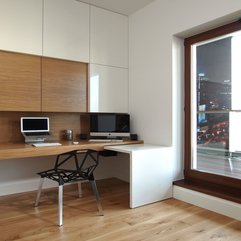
[(227, 193)]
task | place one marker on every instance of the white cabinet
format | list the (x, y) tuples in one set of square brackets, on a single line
[(108, 38), (21, 26), (108, 83), (108, 88), (66, 30)]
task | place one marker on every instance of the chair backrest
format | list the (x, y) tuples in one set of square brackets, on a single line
[(84, 162), (89, 162)]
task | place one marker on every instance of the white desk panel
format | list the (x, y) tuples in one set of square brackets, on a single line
[(151, 172)]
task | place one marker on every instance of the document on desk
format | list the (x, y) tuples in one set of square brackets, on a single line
[(46, 144)]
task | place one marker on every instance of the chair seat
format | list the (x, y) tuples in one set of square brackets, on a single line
[(61, 176), (84, 162)]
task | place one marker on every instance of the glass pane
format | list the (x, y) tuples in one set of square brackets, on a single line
[(213, 131), (214, 75), (215, 153), (216, 101)]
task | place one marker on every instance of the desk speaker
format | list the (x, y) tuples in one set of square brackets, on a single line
[(134, 137), (83, 136)]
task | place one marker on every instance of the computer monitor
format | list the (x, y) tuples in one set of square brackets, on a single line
[(109, 125), (34, 124), (34, 129)]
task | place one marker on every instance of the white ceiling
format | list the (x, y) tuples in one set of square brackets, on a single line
[(125, 7)]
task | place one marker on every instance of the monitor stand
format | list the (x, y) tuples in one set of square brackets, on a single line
[(34, 139)]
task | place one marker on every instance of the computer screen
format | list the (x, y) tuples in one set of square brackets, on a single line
[(109, 125), (34, 124)]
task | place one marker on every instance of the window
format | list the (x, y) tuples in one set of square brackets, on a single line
[(213, 106)]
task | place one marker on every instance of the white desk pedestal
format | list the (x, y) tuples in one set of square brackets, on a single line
[(150, 172)]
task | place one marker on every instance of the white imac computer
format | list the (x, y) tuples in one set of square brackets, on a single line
[(109, 125), (35, 129)]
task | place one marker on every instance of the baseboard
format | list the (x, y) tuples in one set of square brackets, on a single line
[(218, 205), (24, 186)]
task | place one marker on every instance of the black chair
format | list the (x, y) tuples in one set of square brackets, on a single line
[(84, 162)]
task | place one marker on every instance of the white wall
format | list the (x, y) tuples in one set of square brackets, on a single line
[(20, 175), (156, 65)]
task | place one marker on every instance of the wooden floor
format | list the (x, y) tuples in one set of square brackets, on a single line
[(168, 220)]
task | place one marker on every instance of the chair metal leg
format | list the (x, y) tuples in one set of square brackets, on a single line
[(60, 205), (39, 192), (80, 189), (94, 187)]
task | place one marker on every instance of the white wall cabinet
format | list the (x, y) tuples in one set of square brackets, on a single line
[(66, 30), (108, 38), (108, 88), (21, 26), (73, 30), (108, 83)]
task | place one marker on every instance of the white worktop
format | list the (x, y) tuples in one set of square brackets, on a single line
[(132, 148)]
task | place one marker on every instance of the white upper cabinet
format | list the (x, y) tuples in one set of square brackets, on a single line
[(66, 30), (108, 38), (108, 87), (21, 26)]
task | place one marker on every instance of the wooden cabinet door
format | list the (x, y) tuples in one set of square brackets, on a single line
[(20, 82), (64, 85)]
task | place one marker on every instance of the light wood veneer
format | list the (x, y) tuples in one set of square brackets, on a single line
[(168, 220), (34, 83), (10, 125), (20, 150), (20, 82), (64, 85)]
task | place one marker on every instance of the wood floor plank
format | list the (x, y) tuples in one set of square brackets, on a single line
[(169, 220)]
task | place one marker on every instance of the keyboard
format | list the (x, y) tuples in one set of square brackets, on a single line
[(46, 144), (105, 140)]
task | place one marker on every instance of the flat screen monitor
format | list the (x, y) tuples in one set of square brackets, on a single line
[(34, 124), (109, 125)]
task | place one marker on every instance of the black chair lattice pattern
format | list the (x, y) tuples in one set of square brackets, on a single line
[(73, 166)]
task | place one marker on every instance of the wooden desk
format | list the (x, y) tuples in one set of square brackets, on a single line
[(21, 150), (150, 166)]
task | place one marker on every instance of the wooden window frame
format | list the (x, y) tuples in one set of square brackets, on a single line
[(209, 180)]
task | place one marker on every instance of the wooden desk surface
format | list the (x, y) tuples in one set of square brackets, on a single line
[(21, 150)]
